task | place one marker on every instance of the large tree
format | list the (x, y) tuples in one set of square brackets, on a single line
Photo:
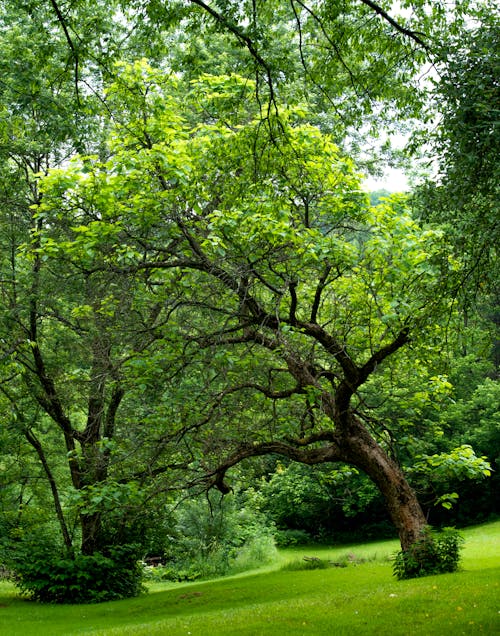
[(206, 282), (65, 332), (291, 292)]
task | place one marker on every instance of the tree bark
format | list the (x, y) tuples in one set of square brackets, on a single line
[(91, 532), (32, 439), (362, 451)]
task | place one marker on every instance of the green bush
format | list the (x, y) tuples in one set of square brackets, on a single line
[(290, 537), (216, 537), (435, 553), (49, 578)]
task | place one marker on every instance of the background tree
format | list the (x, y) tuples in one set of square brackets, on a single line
[(465, 193), (467, 96), (60, 348)]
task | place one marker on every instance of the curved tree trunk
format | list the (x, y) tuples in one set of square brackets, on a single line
[(351, 444), (402, 504)]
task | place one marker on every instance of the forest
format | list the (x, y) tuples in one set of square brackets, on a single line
[(214, 339)]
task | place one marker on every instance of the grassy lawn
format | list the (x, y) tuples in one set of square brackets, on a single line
[(358, 599)]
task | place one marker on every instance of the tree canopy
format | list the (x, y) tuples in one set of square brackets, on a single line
[(192, 274)]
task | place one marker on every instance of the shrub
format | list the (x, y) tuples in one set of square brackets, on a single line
[(216, 537), (435, 553), (50, 578), (289, 538)]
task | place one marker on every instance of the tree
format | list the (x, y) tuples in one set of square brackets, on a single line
[(61, 346), (299, 291), (465, 194), (201, 200)]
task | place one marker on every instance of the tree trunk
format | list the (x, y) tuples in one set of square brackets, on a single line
[(91, 533), (401, 501)]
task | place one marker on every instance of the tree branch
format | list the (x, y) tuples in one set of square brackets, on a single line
[(319, 290), (413, 35), (353, 79), (246, 41), (347, 387), (379, 356), (310, 456), (332, 346), (62, 22), (293, 302), (30, 436)]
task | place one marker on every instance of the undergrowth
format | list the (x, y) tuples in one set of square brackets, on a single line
[(435, 553)]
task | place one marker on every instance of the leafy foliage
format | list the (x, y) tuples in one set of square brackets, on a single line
[(192, 274), (45, 576), (215, 537), (434, 553), (292, 537), (323, 504), (467, 146)]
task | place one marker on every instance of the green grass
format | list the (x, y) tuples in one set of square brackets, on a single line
[(362, 598)]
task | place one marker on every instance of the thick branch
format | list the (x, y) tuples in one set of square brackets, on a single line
[(269, 393), (347, 388), (413, 35), (334, 347), (115, 401), (293, 302), (319, 290), (379, 356), (310, 456)]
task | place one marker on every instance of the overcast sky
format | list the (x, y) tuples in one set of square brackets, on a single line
[(393, 180)]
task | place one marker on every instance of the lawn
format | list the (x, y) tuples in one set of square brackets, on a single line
[(362, 598)]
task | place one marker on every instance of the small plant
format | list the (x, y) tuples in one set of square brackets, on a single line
[(307, 563), (435, 553)]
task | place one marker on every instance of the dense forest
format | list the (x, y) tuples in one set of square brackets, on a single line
[(212, 338)]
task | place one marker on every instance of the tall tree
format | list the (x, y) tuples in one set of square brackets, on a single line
[(65, 331), (207, 242), (466, 145), (297, 289)]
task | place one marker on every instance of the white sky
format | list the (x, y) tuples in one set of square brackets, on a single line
[(394, 180)]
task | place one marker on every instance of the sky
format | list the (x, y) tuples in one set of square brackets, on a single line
[(394, 180)]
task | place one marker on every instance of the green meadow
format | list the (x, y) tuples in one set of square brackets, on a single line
[(359, 595)]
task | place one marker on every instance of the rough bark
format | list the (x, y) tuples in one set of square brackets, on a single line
[(351, 443), (406, 514), (91, 525)]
